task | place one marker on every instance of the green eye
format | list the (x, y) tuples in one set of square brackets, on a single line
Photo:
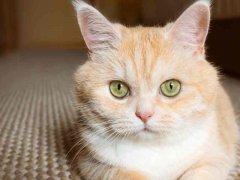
[(118, 89), (170, 87)]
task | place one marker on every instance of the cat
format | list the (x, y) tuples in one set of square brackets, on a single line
[(150, 105)]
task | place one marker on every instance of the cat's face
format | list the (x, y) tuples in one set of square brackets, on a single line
[(145, 83)]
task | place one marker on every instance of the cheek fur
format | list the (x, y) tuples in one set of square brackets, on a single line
[(107, 101)]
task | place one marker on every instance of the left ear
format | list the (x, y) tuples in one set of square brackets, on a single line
[(98, 33), (192, 26)]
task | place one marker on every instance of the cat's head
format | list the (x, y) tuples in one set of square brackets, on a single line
[(145, 82)]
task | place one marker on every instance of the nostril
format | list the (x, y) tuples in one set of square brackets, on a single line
[(144, 116)]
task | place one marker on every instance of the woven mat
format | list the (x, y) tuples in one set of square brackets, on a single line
[(37, 114)]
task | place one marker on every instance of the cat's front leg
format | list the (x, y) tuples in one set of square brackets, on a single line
[(205, 173), (130, 175), (93, 171)]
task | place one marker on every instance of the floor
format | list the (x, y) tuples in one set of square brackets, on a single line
[(37, 113)]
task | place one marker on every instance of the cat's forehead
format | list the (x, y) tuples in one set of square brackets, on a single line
[(146, 54), (142, 40), (145, 45)]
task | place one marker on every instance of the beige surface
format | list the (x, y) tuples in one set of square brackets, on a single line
[(37, 114)]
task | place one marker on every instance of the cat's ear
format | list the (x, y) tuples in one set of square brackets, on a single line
[(192, 26), (98, 33)]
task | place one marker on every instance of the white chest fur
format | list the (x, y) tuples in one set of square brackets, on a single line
[(159, 161)]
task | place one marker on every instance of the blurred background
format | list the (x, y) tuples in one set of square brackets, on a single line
[(28, 25)]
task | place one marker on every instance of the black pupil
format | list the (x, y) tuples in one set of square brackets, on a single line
[(171, 85), (119, 86)]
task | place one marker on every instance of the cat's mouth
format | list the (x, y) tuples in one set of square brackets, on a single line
[(145, 133), (148, 130), (142, 132)]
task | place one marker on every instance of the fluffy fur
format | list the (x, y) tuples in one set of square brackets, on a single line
[(191, 136)]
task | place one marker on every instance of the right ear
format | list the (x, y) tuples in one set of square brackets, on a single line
[(192, 26), (98, 33)]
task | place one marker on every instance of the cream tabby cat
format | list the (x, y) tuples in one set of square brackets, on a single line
[(150, 105)]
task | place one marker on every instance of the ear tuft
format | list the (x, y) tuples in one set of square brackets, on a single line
[(192, 26), (98, 33)]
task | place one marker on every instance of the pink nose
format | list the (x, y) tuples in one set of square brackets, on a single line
[(144, 116)]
